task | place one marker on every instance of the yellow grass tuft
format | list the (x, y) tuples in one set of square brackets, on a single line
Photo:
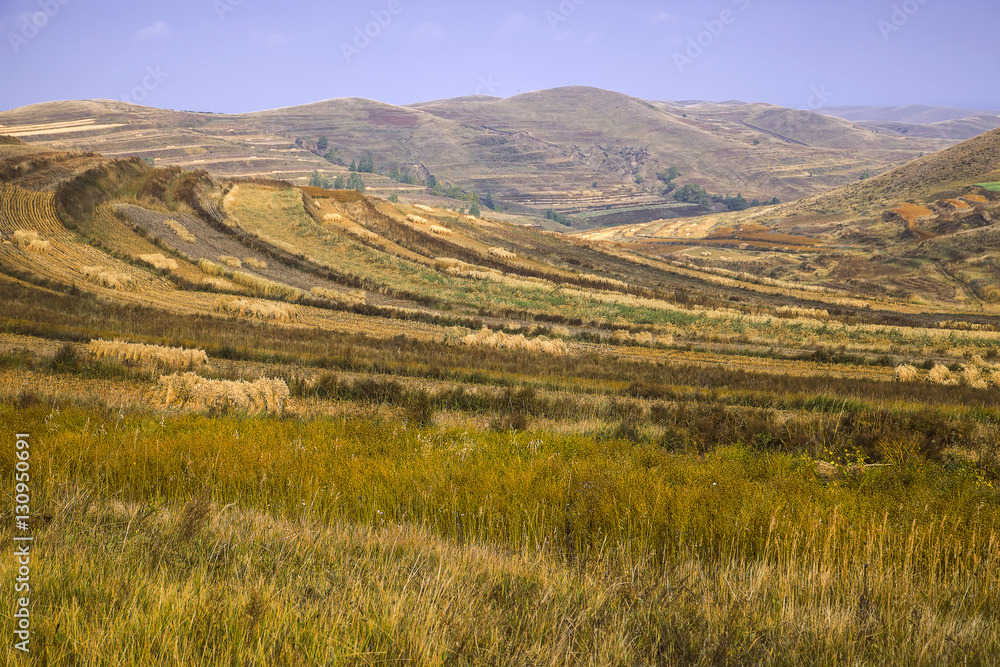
[(355, 298), (501, 341), (180, 230), (156, 356), (231, 262), (333, 217), (942, 375), (28, 240), (214, 283), (416, 219), (438, 229), (421, 207), (255, 263), (500, 252), (100, 276), (264, 287), (809, 313), (211, 268), (907, 373), (362, 233), (158, 261), (259, 310), (193, 392)]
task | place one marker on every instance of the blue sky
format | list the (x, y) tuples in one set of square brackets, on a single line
[(246, 55)]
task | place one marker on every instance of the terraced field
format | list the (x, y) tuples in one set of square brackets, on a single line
[(505, 437)]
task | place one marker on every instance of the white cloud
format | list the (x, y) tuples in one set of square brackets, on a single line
[(663, 16), (158, 29)]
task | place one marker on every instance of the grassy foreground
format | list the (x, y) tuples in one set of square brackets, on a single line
[(226, 540)]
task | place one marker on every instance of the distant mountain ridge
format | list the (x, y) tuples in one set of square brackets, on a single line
[(574, 149)]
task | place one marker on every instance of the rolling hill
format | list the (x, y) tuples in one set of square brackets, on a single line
[(574, 149), (929, 224), (272, 424)]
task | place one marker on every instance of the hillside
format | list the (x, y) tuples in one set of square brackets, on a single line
[(578, 150), (272, 424), (928, 222)]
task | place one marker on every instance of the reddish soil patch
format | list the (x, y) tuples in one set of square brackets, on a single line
[(384, 118), (911, 213)]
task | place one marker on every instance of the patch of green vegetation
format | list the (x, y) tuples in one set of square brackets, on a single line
[(992, 187)]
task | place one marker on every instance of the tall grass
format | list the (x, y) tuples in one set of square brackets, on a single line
[(352, 541)]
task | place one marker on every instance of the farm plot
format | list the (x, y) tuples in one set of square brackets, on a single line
[(224, 257), (54, 252), (120, 237), (279, 218), (69, 259)]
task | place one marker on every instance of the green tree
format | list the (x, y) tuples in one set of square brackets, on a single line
[(339, 183), (354, 182), (865, 175), (317, 181), (394, 198), (668, 175), (692, 194), (737, 203), (366, 165), (488, 201), (354, 166), (474, 210), (322, 144)]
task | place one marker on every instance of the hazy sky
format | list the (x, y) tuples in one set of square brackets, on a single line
[(246, 55)]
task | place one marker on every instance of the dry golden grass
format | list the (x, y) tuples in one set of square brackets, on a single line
[(231, 262), (158, 261), (258, 310), (28, 240), (502, 341), (254, 263), (264, 287), (193, 392), (502, 253), (354, 298), (181, 231), (155, 356), (417, 220), (105, 278), (907, 373)]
